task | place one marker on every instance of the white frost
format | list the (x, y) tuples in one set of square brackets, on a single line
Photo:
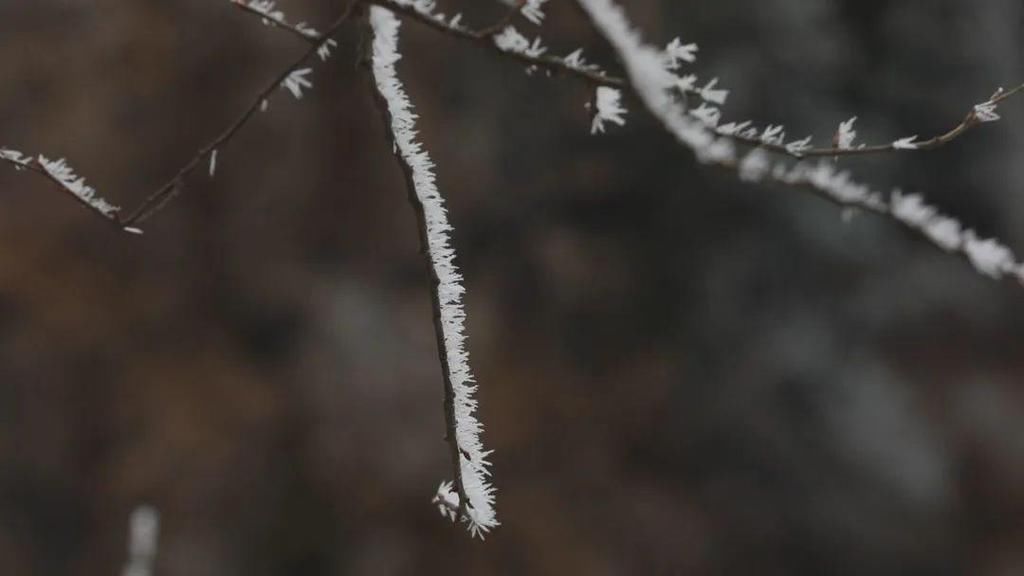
[(472, 457), (62, 173), (650, 73), (213, 163), (297, 81), (608, 108), (986, 112), (510, 40)]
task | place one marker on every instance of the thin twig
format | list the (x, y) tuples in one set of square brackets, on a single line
[(159, 198), (557, 65), (970, 121), (304, 34), (485, 38)]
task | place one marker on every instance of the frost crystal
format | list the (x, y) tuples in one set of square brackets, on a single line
[(62, 173), (709, 115), (846, 134), (447, 500), (773, 135), (988, 256), (532, 10), (325, 49), (14, 156), (510, 40), (986, 112), (19, 160), (472, 458), (650, 72), (608, 109), (575, 60), (907, 143), (799, 146), (297, 81)]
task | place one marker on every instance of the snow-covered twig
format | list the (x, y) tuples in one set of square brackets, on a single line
[(286, 78), (423, 12), (269, 13), (653, 81), (62, 175), (292, 78), (473, 496)]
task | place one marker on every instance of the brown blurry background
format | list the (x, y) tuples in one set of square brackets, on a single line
[(679, 374)]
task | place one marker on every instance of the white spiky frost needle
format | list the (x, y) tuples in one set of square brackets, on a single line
[(478, 511)]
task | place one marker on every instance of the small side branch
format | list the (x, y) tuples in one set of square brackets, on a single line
[(165, 193), (979, 114), (473, 497), (653, 83), (60, 174), (291, 78)]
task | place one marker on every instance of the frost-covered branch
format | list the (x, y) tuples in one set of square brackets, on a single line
[(987, 255), (472, 499), (651, 75), (504, 39), (294, 79), (842, 145), (570, 65), (62, 175), (272, 16)]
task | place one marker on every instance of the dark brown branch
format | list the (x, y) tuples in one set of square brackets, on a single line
[(158, 199), (485, 38), (32, 164), (970, 121), (557, 65), (870, 202)]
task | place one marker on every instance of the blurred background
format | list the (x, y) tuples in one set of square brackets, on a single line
[(679, 373)]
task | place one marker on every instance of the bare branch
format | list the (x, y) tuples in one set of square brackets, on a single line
[(653, 84), (971, 120), (158, 199), (473, 491)]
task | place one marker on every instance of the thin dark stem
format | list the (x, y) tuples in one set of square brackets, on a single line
[(557, 65), (485, 38), (808, 185), (970, 121), (33, 165), (158, 199)]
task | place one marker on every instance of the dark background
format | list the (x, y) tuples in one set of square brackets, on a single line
[(679, 373)]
